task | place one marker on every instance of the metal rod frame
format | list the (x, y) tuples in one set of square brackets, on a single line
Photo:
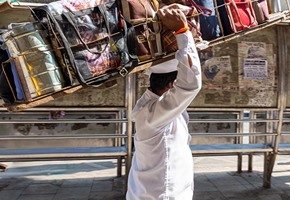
[(273, 120)]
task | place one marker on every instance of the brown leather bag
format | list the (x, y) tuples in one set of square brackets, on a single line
[(153, 40), (261, 10), (141, 14)]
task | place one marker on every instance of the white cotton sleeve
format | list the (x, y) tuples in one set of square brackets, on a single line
[(186, 87)]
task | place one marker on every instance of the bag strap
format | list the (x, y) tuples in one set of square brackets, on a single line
[(126, 10), (68, 17), (155, 3), (129, 48), (65, 43), (4, 64), (200, 9), (253, 15)]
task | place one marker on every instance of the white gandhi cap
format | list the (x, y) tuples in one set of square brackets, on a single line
[(165, 67)]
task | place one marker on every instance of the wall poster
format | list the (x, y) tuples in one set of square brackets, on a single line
[(217, 79), (256, 73)]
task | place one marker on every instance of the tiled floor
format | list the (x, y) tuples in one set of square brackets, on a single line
[(215, 179)]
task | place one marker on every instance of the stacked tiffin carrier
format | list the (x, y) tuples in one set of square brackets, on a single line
[(69, 44)]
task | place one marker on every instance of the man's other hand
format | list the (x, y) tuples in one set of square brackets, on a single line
[(172, 18)]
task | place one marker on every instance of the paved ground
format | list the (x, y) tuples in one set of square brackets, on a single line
[(215, 179)]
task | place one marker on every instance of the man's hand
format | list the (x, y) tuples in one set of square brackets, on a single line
[(172, 18), (185, 9)]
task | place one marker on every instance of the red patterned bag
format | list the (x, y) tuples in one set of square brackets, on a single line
[(241, 14)]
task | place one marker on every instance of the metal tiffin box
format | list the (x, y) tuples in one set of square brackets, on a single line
[(34, 59)]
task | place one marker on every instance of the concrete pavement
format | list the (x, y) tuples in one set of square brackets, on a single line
[(215, 179)]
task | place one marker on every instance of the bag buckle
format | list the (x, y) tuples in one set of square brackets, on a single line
[(123, 72)]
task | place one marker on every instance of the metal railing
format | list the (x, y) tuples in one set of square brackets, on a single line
[(62, 142)]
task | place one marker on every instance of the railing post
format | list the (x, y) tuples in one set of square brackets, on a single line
[(130, 98), (282, 96), (282, 78)]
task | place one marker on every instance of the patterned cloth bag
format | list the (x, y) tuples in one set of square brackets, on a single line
[(93, 41)]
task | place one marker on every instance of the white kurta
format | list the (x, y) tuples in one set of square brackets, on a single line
[(162, 165)]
